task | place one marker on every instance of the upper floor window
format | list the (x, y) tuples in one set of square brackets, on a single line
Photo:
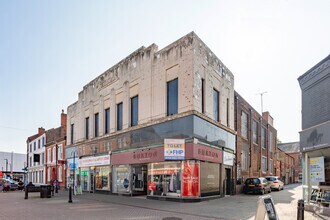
[(172, 97), (255, 132), (264, 164), (134, 110), (96, 125), (30, 147), (244, 124), (42, 158), (48, 155), (107, 121), (54, 154), (270, 166), (119, 116), (270, 141), (216, 105), (244, 160), (43, 141), (86, 128), (34, 145), (72, 133), (202, 96), (263, 137), (39, 144)]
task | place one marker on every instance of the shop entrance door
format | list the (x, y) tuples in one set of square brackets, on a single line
[(92, 182), (139, 179), (228, 181)]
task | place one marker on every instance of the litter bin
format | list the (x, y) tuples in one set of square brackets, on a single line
[(45, 191)]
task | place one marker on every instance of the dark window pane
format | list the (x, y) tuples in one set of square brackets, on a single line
[(107, 121), (172, 97), (87, 128), (215, 105), (202, 96), (72, 132), (134, 110), (119, 116), (96, 124)]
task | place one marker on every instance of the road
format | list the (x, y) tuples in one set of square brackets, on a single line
[(97, 206)]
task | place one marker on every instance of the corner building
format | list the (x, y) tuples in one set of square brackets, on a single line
[(158, 123)]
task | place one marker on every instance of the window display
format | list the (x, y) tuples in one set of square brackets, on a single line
[(164, 179), (102, 177), (122, 179), (190, 178), (210, 182), (84, 174)]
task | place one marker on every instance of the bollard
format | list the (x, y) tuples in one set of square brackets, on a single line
[(300, 210), (26, 193), (70, 195)]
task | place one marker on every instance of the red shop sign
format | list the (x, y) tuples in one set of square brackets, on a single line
[(190, 179)]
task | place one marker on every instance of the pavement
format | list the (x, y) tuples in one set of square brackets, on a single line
[(99, 206)]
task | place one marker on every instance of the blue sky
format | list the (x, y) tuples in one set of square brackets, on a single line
[(50, 49)]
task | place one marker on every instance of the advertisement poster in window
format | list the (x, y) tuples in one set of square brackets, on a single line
[(190, 179)]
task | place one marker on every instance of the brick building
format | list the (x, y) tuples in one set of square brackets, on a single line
[(155, 120), (285, 166), (293, 150), (55, 153), (255, 142)]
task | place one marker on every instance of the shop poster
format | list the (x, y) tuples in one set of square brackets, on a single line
[(317, 169), (190, 179), (174, 149)]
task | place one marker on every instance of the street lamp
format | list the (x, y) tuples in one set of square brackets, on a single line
[(56, 183)]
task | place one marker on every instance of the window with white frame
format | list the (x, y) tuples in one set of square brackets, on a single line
[(244, 124), (263, 137), (48, 174), (54, 154), (270, 166), (270, 141), (60, 152), (244, 161), (264, 164), (48, 155), (255, 131), (60, 173)]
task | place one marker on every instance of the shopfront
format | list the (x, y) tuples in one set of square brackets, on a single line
[(95, 173), (177, 170)]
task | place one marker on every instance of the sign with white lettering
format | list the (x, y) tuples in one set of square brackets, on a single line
[(174, 149), (228, 158), (266, 205), (94, 161)]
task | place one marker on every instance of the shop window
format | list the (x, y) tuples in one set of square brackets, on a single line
[(121, 179), (102, 178), (84, 179), (210, 179), (164, 179), (172, 97)]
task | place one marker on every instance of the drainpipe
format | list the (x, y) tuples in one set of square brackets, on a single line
[(251, 142)]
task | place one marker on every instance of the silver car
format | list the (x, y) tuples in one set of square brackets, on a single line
[(275, 182)]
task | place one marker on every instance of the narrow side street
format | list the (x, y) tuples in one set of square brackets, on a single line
[(96, 206)]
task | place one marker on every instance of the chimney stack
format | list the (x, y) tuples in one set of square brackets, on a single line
[(63, 122), (41, 130)]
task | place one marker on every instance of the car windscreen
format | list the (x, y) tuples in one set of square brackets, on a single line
[(252, 181), (271, 178)]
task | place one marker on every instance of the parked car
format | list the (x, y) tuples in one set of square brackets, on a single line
[(275, 182), (8, 184), (257, 184)]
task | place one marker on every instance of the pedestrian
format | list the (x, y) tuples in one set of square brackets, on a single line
[(1, 186)]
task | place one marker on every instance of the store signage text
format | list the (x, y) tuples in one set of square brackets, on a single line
[(208, 153), (94, 161), (144, 155)]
